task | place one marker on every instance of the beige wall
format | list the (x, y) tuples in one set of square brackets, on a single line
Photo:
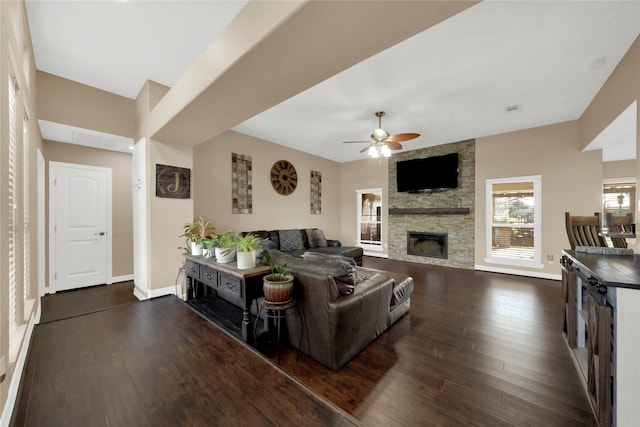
[(71, 103), (122, 219), (212, 187), (571, 181), (360, 175), (620, 90), (166, 217), (620, 169), (17, 53)]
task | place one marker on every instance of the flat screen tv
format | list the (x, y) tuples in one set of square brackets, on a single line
[(437, 173)]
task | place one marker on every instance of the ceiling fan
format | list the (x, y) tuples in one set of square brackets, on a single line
[(382, 142)]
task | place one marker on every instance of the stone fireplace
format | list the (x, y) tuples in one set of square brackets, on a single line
[(434, 228), (434, 245)]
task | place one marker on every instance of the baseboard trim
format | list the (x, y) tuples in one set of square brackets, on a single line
[(18, 370), (125, 278), (525, 273), (167, 290), (140, 294), (155, 293), (376, 254)]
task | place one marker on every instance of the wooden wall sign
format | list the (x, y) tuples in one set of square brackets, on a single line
[(173, 182)]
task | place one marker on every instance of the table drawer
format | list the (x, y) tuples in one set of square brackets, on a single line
[(193, 269), (209, 276), (230, 285)]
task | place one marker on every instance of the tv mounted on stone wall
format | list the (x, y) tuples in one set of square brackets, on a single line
[(436, 173)]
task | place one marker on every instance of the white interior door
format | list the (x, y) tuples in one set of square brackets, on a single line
[(81, 214)]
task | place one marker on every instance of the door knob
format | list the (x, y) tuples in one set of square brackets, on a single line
[(100, 233)]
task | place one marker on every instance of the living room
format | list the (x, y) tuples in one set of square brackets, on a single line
[(572, 177)]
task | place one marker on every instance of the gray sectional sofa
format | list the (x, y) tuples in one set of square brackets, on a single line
[(344, 307), (296, 242)]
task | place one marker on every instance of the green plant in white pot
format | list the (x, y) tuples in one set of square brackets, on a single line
[(246, 250), (277, 286), (195, 231), (225, 246), (208, 245)]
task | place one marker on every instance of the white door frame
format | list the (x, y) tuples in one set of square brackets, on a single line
[(368, 248), (52, 219)]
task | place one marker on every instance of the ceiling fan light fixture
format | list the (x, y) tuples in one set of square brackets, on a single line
[(380, 134), (373, 152), (382, 142)]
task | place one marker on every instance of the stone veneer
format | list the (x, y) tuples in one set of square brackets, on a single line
[(460, 228)]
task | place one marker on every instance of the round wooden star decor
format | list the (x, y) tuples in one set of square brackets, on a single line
[(284, 177)]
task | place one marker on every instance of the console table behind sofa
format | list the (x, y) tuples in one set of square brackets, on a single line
[(238, 287)]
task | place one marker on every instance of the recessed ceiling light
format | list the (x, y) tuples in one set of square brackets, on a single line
[(513, 108), (131, 147)]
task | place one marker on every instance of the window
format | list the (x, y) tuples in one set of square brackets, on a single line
[(514, 221), (618, 199), (370, 219), (26, 243), (11, 216)]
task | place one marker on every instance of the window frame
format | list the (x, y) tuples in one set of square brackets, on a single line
[(633, 196), (536, 262)]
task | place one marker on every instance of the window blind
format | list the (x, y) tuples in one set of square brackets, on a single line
[(26, 246), (13, 318)]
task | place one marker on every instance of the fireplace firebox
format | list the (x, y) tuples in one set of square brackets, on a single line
[(434, 245)]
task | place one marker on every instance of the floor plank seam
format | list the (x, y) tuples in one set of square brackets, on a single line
[(87, 313)]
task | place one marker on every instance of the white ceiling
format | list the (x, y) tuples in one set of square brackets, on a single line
[(449, 83)]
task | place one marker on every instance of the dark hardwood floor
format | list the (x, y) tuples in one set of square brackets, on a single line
[(62, 305), (158, 363), (477, 349)]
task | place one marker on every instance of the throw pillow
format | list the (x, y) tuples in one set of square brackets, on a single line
[(316, 238), (291, 240)]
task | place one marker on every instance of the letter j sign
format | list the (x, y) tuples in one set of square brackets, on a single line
[(173, 182)]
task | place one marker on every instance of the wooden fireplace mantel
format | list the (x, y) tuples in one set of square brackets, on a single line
[(429, 211)]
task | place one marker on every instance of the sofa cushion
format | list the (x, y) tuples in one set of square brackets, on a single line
[(291, 240), (316, 238), (342, 272), (274, 237), (353, 252), (347, 282)]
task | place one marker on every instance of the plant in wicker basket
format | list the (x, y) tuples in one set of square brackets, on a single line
[(277, 286)]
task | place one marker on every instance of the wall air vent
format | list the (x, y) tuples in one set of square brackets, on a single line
[(513, 108)]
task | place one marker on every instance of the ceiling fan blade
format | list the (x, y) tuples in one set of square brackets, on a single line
[(404, 137), (356, 142), (366, 148), (393, 145)]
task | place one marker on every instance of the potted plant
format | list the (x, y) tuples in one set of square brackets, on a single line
[(277, 286), (225, 246), (208, 245), (246, 250), (195, 231)]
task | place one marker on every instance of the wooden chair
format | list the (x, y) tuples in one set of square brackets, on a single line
[(619, 224), (584, 230)]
